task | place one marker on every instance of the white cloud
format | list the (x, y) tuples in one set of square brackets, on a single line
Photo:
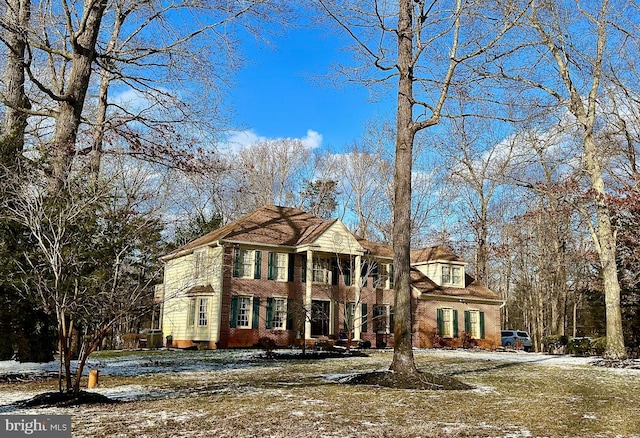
[(312, 140), (237, 140), (241, 139)]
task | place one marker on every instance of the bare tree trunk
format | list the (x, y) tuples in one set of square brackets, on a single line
[(403, 360), (17, 17), (482, 253), (606, 246), (63, 142)]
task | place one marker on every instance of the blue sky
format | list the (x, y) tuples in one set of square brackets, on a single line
[(279, 94)]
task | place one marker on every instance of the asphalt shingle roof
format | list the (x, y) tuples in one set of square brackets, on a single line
[(287, 226)]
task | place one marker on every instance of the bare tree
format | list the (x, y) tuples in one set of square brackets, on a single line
[(407, 42), (571, 70), (92, 263), (268, 172), (478, 163)]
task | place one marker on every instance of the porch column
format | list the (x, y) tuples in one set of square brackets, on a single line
[(357, 313), (307, 296)]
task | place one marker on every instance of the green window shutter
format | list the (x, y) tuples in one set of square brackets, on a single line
[(364, 270), (346, 274), (363, 326), (269, 313), (440, 323), (234, 312), (303, 270), (236, 262), (391, 322), (455, 323), (289, 315), (481, 325), (391, 277), (375, 273), (257, 271), (270, 274), (290, 266), (335, 272), (467, 322), (256, 312)]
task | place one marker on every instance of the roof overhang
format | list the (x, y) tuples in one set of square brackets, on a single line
[(460, 299), (167, 257)]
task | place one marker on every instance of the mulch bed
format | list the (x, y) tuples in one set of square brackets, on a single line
[(62, 399), (421, 381), (27, 377), (611, 363), (314, 355)]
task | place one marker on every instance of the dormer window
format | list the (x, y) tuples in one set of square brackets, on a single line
[(452, 275)]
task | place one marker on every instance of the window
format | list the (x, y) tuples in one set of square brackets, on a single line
[(203, 312), (447, 320), (451, 275), (375, 275), (364, 273), (245, 312), (191, 313), (321, 269), (350, 323), (455, 275), (243, 319), (277, 309), (247, 263), (278, 266), (346, 272), (200, 263), (386, 275), (474, 323), (383, 318), (446, 274)]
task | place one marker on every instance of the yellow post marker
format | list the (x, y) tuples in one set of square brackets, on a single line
[(93, 379)]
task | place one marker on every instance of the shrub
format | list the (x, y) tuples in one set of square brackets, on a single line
[(598, 345), (579, 346), (131, 341), (268, 345), (556, 344), (468, 341)]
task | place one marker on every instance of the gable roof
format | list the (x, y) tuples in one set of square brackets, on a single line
[(434, 253), (472, 289), (270, 225)]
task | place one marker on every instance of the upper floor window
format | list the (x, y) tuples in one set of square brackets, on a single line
[(451, 274), (386, 275), (321, 270), (200, 263), (278, 266), (247, 263)]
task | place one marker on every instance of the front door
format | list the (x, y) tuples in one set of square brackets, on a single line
[(320, 313)]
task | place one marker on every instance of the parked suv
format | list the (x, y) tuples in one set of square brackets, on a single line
[(515, 338)]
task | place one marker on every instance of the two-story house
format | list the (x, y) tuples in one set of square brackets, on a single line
[(283, 273)]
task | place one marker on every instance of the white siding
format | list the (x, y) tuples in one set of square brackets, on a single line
[(179, 279), (337, 240)]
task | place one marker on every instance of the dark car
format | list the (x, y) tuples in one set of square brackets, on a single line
[(516, 339)]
